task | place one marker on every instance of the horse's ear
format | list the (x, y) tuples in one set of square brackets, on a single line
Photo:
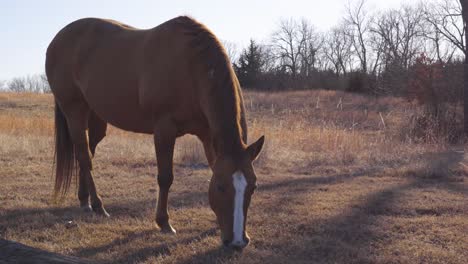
[(254, 149)]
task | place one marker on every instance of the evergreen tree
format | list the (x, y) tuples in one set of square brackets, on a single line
[(249, 66)]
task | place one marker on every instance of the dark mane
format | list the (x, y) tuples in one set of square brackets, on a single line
[(225, 95)]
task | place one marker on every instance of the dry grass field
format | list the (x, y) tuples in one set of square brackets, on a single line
[(339, 182)]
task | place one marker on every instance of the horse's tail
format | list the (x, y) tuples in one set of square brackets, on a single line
[(65, 160)]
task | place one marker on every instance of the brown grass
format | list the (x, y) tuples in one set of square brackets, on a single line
[(337, 184)]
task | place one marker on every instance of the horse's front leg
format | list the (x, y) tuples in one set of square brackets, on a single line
[(165, 133)]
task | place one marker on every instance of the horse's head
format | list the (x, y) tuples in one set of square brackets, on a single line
[(231, 187)]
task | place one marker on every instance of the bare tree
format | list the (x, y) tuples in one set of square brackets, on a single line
[(45, 87), (311, 43), (288, 43), (322, 62), (376, 46), (464, 5), (396, 38), (231, 50), (34, 83), (17, 84), (31, 83), (400, 30), (269, 59), (438, 48), (358, 30), (446, 18), (338, 49)]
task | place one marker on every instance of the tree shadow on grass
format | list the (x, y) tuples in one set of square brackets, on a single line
[(309, 181), (141, 254), (351, 236), (46, 217), (216, 255), (346, 238), (13, 252), (43, 218), (187, 199), (287, 192)]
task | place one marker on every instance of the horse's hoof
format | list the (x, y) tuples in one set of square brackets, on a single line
[(101, 211), (86, 208), (168, 229)]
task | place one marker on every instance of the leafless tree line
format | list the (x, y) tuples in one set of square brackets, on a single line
[(32, 83), (417, 51), (382, 45)]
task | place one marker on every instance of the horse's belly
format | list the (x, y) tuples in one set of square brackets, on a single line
[(129, 122), (119, 107)]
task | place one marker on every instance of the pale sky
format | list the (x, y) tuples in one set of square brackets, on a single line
[(28, 26)]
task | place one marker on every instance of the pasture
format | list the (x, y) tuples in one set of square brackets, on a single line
[(339, 182)]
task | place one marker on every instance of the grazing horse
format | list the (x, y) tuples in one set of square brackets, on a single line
[(171, 80)]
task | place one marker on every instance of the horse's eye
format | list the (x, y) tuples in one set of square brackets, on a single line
[(220, 188)]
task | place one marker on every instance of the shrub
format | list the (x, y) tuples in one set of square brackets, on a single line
[(356, 82)]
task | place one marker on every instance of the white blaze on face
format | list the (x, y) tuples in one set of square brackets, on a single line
[(238, 227)]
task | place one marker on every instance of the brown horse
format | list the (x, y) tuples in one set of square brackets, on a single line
[(168, 81)]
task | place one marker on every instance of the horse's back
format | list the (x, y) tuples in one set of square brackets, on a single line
[(82, 36), (88, 61), (125, 75)]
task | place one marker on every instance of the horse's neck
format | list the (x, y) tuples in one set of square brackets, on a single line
[(225, 125), (228, 140)]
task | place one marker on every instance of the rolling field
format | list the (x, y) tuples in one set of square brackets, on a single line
[(339, 182)]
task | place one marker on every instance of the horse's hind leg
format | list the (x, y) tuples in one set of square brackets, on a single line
[(78, 116), (96, 132), (83, 192)]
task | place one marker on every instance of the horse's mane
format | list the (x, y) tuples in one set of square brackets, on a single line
[(225, 92)]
